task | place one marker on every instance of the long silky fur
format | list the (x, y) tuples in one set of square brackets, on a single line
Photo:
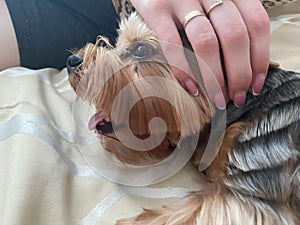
[(255, 179)]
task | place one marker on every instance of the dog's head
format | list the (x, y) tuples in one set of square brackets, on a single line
[(130, 84)]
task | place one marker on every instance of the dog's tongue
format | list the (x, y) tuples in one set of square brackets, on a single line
[(94, 120)]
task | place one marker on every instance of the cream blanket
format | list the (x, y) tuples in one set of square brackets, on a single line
[(44, 179)]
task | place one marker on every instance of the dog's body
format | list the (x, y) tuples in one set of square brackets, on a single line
[(255, 178)]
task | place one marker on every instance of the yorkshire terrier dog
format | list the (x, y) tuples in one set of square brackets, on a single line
[(254, 179)]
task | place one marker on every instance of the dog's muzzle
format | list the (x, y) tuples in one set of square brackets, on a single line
[(73, 62)]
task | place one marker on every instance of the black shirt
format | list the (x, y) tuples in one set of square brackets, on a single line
[(47, 29)]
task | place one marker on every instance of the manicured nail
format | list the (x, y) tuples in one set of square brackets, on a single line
[(219, 100), (191, 87), (258, 84), (239, 98)]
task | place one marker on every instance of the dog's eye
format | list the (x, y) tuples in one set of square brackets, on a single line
[(141, 50)]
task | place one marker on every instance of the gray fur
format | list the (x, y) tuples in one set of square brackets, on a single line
[(264, 164)]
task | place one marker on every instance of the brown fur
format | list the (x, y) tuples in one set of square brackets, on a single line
[(141, 113), (227, 200)]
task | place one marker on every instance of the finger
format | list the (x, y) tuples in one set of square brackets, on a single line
[(205, 45), (159, 18), (235, 44), (259, 33), (174, 53)]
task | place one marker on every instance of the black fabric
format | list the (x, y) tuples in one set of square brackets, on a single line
[(47, 29)]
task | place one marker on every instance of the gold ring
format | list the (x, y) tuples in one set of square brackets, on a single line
[(191, 15), (218, 2)]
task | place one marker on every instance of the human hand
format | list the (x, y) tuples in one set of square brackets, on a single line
[(237, 32)]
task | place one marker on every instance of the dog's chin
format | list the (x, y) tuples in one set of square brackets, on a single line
[(124, 154), (109, 132)]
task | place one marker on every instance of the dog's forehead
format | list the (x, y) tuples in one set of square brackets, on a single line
[(134, 29)]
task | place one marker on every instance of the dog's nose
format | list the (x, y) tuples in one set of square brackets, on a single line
[(73, 61)]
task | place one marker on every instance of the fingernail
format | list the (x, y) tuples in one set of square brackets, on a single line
[(219, 100), (239, 98), (191, 87), (258, 84)]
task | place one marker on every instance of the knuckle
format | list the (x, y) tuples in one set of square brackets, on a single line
[(204, 41), (260, 24), (169, 43), (146, 6), (236, 35), (153, 5), (169, 38)]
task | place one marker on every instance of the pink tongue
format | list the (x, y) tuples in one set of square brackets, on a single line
[(94, 120)]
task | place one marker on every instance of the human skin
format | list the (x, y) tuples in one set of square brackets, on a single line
[(9, 56), (233, 40)]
